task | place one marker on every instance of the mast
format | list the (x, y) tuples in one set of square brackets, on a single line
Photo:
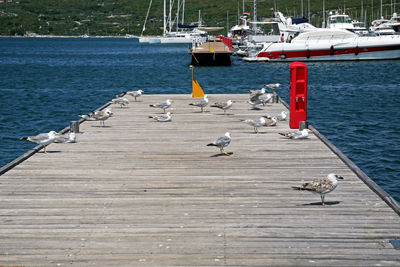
[(177, 16), (323, 14), (147, 15), (381, 10), (255, 16), (170, 15), (183, 12), (362, 10), (302, 9), (309, 12), (165, 18)]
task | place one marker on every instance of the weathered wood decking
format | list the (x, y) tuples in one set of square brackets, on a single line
[(142, 193)]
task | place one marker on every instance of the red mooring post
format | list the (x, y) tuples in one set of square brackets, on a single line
[(298, 94)]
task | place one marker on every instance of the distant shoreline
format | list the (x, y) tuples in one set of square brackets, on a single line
[(67, 36)]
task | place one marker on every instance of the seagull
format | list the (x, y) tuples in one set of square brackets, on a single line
[(222, 142), (273, 85), (256, 123), (271, 121), (321, 186), (162, 118), (280, 117), (257, 92), (296, 134), (223, 105), (43, 139), (201, 103), (164, 105), (98, 115), (135, 94), (122, 101), (265, 98), (66, 138)]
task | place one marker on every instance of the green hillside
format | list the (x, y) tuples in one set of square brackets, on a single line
[(121, 17)]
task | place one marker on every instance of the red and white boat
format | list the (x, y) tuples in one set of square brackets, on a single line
[(332, 44)]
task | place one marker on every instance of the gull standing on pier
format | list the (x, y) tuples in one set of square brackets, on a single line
[(164, 105), (280, 117), (222, 142), (321, 186), (98, 115), (256, 123), (162, 118), (135, 94), (122, 101), (296, 134), (257, 92), (201, 103), (271, 121), (66, 138), (223, 105), (43, 139)]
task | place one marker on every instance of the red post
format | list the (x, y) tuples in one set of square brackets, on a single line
[(298, 94)]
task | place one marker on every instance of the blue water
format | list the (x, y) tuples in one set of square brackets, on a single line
[(44, 83)]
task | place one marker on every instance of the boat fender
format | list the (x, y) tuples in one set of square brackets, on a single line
[(357, 51), (308, 54), (332, 50)]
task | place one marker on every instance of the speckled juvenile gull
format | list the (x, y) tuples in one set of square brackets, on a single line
[(162, 118), (296, 134), (42, 139), (223, 105), (201, 103), (222, 142), (321, 186), (163, 105)]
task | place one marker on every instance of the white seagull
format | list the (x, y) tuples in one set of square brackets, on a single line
[(257, 92), (321, 186), (222, 142), (280, 117), (164, 105), (223, 105), (98, 115), (66, 138), (296, 134), (122, 101), (135, 94), (271, 121), (162, 118), (201, 103), (273, 85), (43, 139), (256, 123)]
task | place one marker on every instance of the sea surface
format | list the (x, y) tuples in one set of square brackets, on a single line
[(46, 82)]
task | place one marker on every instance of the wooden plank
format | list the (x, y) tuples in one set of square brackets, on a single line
[(142, 193)]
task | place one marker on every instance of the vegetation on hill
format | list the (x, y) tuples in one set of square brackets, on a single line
[(121, 17)]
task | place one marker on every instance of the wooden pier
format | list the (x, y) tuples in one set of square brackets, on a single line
[(142, 193)]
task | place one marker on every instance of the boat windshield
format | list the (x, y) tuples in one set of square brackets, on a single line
[(340, 19)]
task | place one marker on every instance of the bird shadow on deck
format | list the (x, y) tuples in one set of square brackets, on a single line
[(221, 155), (327, 203), (227, 114)]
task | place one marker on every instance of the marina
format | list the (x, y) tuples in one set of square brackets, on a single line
[(211, 53), (137, 192)]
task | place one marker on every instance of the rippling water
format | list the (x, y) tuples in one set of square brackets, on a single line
[(44, 83)]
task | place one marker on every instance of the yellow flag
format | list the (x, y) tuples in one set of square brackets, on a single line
[(212, 50), (196, 89)]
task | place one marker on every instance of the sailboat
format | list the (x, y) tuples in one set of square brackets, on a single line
[(182, 35)]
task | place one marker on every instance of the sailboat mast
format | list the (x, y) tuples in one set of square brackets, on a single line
[(323, 14), (381, 10), (170, 15), (255, 16), (302, 9), (177, 16), (165, 17), (309, 12), (183, 12)]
